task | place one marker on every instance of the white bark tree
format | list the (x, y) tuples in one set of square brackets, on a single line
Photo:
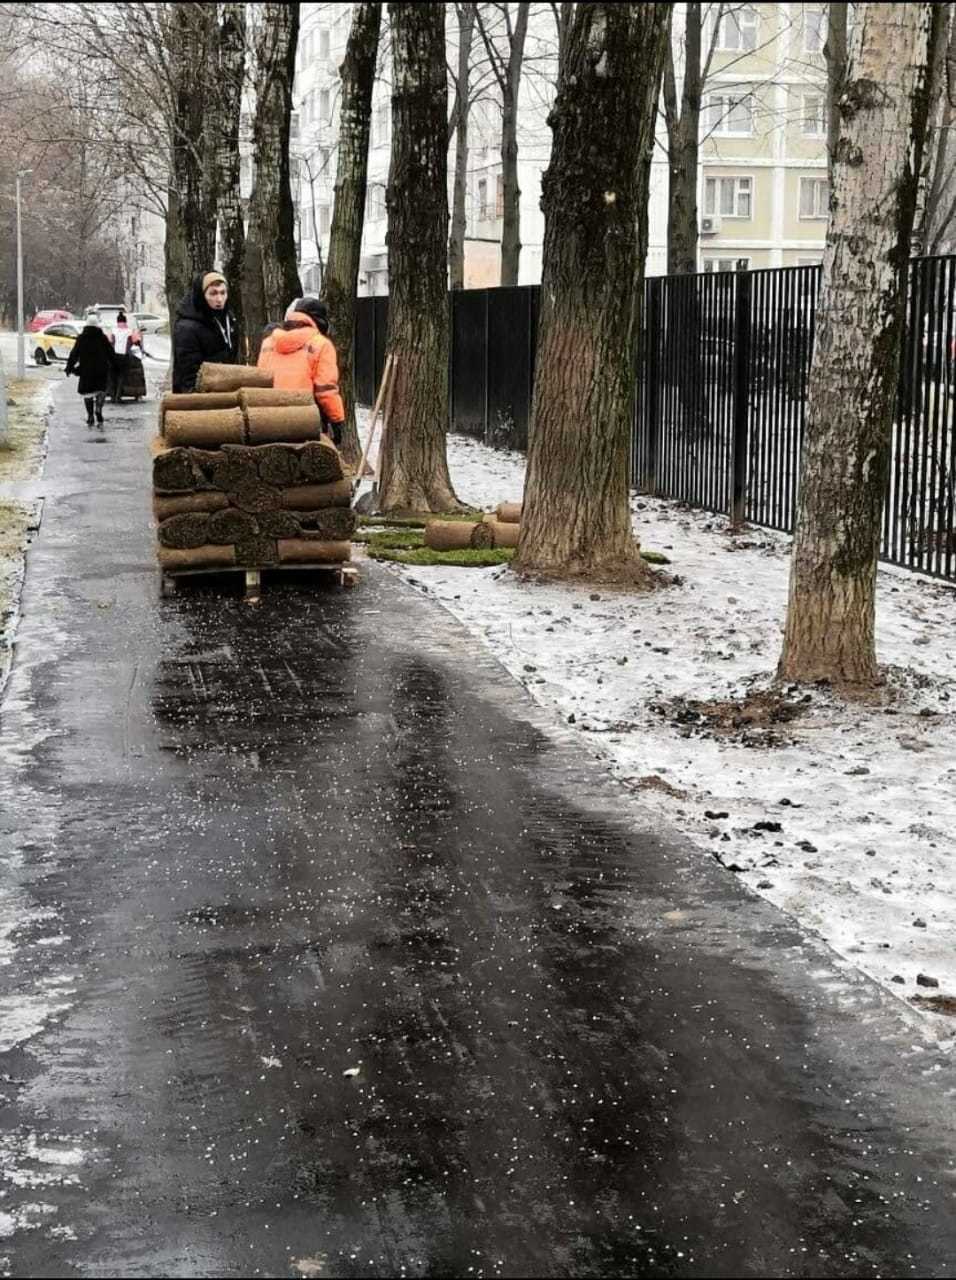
[(876, 164)]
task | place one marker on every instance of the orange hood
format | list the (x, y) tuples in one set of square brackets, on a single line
[(288, 340)]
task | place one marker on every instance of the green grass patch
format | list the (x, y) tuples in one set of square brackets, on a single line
[(414, 519), (472, 558), (390, 539), (655, 557)]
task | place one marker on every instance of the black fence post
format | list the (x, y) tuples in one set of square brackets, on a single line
[(650, 410), (485, 354), (741, 428)]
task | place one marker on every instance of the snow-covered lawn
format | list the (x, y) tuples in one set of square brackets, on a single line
[(859, 803)]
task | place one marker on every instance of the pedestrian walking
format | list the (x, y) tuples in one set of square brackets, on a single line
[(301, 357), (126, 343), (205, 332), (92, 358)]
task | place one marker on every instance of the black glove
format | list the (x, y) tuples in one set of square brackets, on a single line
[(336, 432)]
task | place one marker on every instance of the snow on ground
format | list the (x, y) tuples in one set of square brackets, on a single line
[(865, 796)]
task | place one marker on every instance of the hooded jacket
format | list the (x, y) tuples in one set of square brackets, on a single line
[(92, 357), (303, 359), (201, 336)]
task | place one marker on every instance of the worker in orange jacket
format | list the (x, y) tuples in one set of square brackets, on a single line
[(301, 357)]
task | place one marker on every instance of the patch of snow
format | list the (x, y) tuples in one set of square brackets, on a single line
[(865, 796)]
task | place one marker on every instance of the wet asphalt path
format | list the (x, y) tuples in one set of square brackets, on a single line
[(331, 959)]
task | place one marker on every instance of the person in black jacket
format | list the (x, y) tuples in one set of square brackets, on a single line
[(92, 357), (205, 332)]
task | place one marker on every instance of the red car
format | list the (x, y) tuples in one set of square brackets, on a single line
[(43, 318)]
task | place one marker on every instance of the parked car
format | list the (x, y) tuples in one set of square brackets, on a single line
[(148, 321), (107, 312), (43, 318), (55, 341)]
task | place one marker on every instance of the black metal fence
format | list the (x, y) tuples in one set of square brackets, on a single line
[(721, 384)]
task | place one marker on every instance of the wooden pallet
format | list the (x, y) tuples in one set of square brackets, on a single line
[(346, 575)]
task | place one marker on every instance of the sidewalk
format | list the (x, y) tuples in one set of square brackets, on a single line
[(326, 947)]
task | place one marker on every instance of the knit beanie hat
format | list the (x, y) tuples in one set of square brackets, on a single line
[(211, 278), (315, 309)]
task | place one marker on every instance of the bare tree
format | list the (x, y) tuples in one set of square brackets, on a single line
[(834, 54), (271, 276), (232, 234), (936, 206), (507, 70), (414, 464), (576, 517), (345, 244), (466, 14), (830, 633)]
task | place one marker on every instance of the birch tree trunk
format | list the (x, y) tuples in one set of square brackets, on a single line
[(414, 466), (846, 448), (271, 277), (683, 132), (345, 243), (834, 54), (232, 236), (456, 241), (576, 518)]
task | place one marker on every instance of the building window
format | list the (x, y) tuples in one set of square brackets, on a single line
[(731, 116), (324, 112), (810, 262), (814, 198), (713, 265), (142, 293), (482, 199), (738, 30), (324, 43), (813, 123), (325, 219), (729, 197), (375, 202), (500, 196), (814, 30)]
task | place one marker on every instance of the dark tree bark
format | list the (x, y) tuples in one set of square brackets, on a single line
[(683, 132), (271, 276), (456, 241), (576, 518), (853, 376), (413, 473), (834, 54), (345, 244), (232, 236), (508, 74), (934, 211)]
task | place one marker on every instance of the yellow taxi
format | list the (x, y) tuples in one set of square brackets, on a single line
[(54, 341)]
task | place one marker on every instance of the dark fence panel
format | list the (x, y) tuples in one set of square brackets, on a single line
[(721, 388)]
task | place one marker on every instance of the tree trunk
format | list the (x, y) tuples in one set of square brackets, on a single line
[(511, 224), (846, 449), (232, 236), (414, 466), (935, 170), (683, 132), (834, 53), (576, 518), (456, 241), (271, 276), (345, 243)]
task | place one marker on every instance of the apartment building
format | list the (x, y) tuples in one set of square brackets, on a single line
[(763, 193), (763, 196)]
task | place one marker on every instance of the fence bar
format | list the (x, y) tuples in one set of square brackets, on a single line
[(743, 292)]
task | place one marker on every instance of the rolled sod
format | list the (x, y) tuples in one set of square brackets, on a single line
[(320, 463), (179, 400), (271, 398), (185, 532), (334, 524), (290, 423), (256, 551), (277, 465), (206, 557), (457, 535), (503, 534), (231, 525), (312, 497), (230, 377), (175, 470), (279, 524), (204, 428), (237, 475), (509, 512), (208, 501), (300, 551)]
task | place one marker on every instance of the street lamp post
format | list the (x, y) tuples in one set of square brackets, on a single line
[(23, 173)]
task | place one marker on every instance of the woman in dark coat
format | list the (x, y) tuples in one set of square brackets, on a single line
[(92, 355)]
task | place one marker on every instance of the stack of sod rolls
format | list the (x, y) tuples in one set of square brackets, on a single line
[(498, 528), (243, 477)]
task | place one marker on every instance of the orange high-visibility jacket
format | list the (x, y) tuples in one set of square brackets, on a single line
[(304, 360)]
